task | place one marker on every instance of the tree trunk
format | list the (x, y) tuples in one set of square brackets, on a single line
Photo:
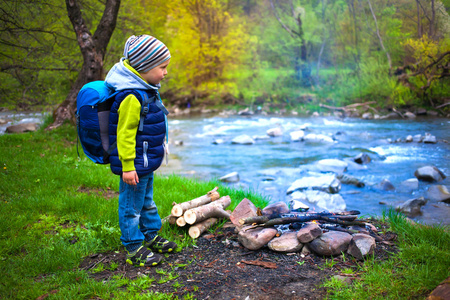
[(179, 209), (380, 39), (419, 23), (214, 209), (196, 230), (433, 17), (93, 49)]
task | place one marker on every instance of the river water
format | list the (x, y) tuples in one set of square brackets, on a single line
[(271, 165)]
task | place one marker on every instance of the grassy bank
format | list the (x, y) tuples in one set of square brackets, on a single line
[(56, 209)]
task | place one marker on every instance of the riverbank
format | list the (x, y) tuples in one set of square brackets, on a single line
[(205, 147), (59, 212)]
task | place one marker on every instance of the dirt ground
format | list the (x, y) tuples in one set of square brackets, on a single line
[(218, 267)]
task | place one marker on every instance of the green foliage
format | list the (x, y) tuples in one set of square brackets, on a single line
[(238, 49)]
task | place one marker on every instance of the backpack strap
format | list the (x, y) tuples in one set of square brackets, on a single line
[(145, 108), (161, 106)]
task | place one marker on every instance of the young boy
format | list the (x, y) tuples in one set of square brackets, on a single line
[(140, 145)]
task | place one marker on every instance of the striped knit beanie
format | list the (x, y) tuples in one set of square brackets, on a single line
[(145, 52)]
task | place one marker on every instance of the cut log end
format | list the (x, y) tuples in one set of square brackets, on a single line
[(196, 230), (177, 210), (190, 217), (181, 222)]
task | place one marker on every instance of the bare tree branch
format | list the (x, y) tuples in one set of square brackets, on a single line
[(379, 37)]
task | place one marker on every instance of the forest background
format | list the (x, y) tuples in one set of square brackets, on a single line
[(289, 53)]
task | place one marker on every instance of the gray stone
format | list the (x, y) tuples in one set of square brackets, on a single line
[(429, 173), (256, 238), (305, 250), (315, 114), (429, 139), (361, 245), (317, 138), (418, 138), (331, 243), (276, 208), (367, 116), (243, 140), (296, 205), (409, 139), (287, 242), (308, 232), (432, 113), (438, 193), (274, 132), (325, 201), (218, 141), (20, 128), (231, 177), (362, 158), (327, 183), (409, 185), (347, 179), (409, 115), (297, 136), (385, 185), (412, 207), (332, 165)]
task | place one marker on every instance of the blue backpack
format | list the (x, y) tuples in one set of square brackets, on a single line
[(94, 103)]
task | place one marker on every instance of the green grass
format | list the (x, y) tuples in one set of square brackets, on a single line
[(421, 264), (53, 214)]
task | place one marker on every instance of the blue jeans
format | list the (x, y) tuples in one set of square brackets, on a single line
[(138, 215)]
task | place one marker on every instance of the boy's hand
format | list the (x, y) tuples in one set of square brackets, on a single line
[(130, 177)]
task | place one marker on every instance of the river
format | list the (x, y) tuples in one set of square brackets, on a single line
[(271, 165)]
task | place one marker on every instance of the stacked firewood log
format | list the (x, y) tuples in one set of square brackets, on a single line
[(200, 213)]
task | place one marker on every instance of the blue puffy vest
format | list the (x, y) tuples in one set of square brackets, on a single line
[(149, 141)]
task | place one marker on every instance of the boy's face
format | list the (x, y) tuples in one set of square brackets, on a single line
[(155, 75)]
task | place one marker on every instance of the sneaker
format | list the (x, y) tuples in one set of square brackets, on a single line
[(143, 257), (161, 245)]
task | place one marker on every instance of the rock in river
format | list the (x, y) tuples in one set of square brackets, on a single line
[(412, 207), (231, 177), (323, 200), (327, 183), (409, 185), (438, 193), (317, 138), (243, 140), (429, 173), (332, 165)]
